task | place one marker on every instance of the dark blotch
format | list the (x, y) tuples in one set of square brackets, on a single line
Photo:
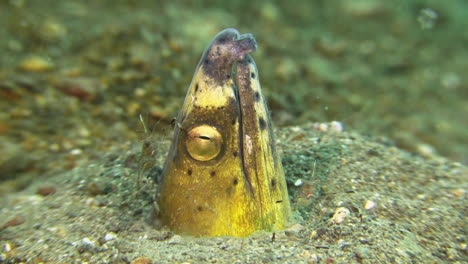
[(235, 181), (321, 232), (213, 173), (228, 76), (273, 183), (199, 208), (222, 40), (233, 122), (252, 75), (256, 96), (234, 153), (196, 87), (189, 171), (261, 123), (373, 152)]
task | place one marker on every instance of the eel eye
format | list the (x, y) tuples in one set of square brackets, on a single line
[(204, 142)]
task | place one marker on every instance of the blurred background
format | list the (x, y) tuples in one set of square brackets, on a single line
[(76, 75)]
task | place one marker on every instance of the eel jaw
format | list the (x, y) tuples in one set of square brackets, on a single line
[(227, 48)]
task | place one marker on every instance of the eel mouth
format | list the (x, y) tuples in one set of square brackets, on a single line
[(224, 51)]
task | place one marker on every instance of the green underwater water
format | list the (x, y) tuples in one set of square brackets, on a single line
[(77, 78), (390, 68)]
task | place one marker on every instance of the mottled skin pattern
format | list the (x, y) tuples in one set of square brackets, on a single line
[(260, 159), (242, 189)]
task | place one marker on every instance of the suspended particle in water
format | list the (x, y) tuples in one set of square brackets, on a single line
[(427, 18)]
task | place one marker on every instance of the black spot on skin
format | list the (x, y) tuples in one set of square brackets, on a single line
[(213, 173), (199, 208), (252, 75), (196, 87), (261, 123), (256, 96), (234, 153), (273, 183), (233, 122), (189, 172), (207, 61), (249, 60), (235, 181), (228, 76)]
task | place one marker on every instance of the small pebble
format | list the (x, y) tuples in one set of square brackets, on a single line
[(7, 247), (369, 205), (46, 190), (175, 240), (298, 183), (294, 230), (110, 236), (426, 150), (96, 188), (322, 127), (35, 64), (362, 252), (85, 89), (458, 192), (140, 92), (15, 221), (306, 254), (141, 260), (88, 241), (336, 126), (76, 152), (340, 214)]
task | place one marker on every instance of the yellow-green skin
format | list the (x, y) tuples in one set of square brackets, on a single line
[(243, 188)]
